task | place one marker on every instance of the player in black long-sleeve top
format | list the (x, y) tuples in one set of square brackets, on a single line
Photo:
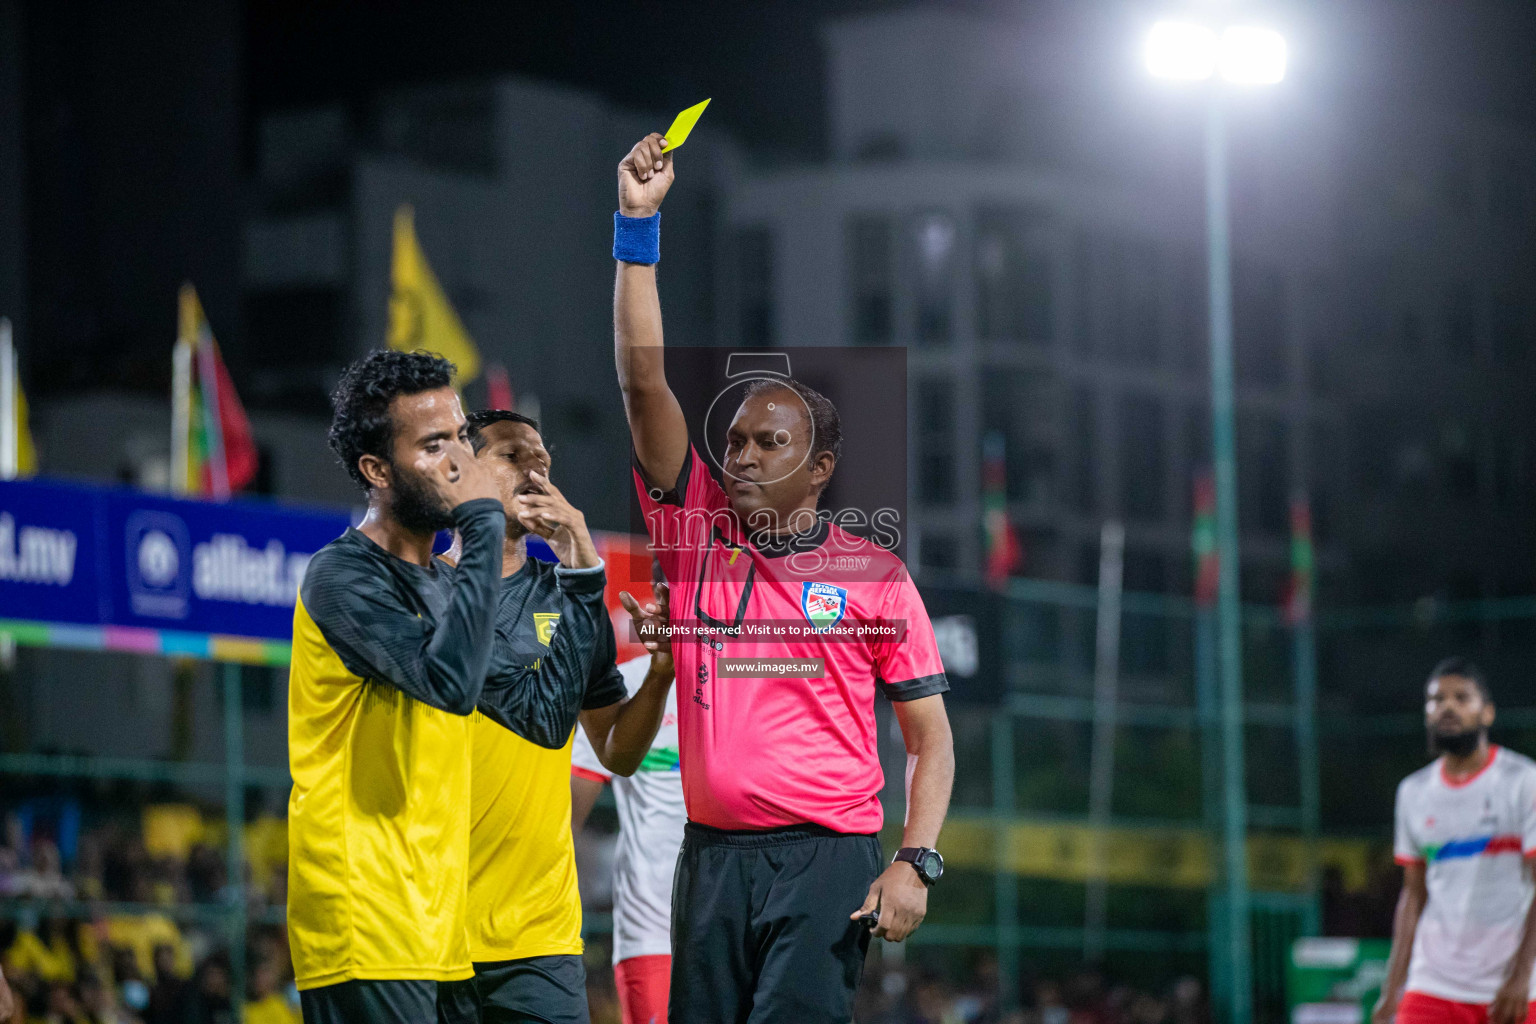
[(391, 653), (524, 918)]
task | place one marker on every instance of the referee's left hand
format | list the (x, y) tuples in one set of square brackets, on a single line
[(901, 900)]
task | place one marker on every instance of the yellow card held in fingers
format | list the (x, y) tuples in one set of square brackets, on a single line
[(682, 125)]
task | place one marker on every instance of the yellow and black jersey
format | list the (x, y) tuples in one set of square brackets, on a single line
[(523, 900), (389, 659)]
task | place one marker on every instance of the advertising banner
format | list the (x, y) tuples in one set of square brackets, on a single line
[(99, 568), (75, 555), (1334, 980)]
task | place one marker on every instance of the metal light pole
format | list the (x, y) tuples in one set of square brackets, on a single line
[(1228, 598), (1245, 55)]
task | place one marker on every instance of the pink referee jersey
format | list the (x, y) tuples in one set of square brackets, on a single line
[(768, 749)]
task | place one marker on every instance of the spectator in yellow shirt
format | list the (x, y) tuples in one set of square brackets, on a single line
[(46, 952), (267, 1004)]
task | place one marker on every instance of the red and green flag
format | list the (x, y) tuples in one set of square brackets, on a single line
[(1203, 541), (212, 453), (498, 387), (1298, 596), (1004, 552)]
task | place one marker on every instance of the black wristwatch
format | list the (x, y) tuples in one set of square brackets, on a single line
[(927, 863)]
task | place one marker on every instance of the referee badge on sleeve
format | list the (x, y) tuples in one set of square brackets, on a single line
[(823, 604)]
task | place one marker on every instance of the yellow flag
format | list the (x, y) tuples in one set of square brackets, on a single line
[(419, 314), (26, 454)]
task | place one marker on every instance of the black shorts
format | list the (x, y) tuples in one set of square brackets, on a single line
[(371, 1002), (760, 928), (537, 989)]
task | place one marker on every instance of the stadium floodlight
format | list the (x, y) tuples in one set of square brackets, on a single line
[(1182, 50), (1251, 55), (1241, 55), (1244, 54)]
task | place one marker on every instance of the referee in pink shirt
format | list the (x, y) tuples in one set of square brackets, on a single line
[(780, 869)]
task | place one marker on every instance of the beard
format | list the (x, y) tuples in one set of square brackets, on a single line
[(1456, 744), (414, 504)]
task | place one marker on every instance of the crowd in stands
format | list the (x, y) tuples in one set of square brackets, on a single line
[(101, 926), (898, 993)]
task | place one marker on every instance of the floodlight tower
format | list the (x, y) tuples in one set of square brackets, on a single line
[(1242, 55)]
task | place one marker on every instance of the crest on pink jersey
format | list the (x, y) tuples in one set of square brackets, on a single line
[(823, 604)]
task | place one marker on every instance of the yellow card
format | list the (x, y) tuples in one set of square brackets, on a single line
[(682, 125)]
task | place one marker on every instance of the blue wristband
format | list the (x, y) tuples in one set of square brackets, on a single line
[(637, 239)]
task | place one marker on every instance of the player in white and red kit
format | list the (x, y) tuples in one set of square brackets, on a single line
[(1464, 936), (780, 764), (651, 819)]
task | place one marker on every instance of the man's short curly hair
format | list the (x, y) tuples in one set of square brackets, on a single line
[(362, 424)]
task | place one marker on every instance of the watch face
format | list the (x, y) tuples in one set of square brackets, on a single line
[(930, 865)]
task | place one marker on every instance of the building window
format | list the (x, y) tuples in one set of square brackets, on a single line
[(1510, 326), (1262, 583), (1083, 434), (1264, 478), (1507, 196), (1456, 186), (1258, 325), (935, 433), (935, 240), (1460, 319), (1392, 453), (936, 476), (754, 285), (1017, 404), (1143, 458), (1141, 309), (870, 269), (1511, 468), (1084, 304), (1013, 278), (452, 128), (1322, 354), (939, 551), (1191, 312), (1458, 461), (1119, 299), (1326, 471), (1196, 429), (1144, 638), (289, 331)]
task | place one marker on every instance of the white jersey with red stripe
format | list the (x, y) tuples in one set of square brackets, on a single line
[(1476, 838), (651, 819)]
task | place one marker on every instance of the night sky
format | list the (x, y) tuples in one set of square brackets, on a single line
[(762, 61), (140, 120)]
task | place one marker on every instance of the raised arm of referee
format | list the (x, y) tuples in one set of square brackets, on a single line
[(781, 882)]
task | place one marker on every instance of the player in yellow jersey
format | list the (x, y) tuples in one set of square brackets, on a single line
[(524, 910), (392, 650)]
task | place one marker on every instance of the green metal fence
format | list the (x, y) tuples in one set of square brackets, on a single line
[(1315, 776), (1333, 721)]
